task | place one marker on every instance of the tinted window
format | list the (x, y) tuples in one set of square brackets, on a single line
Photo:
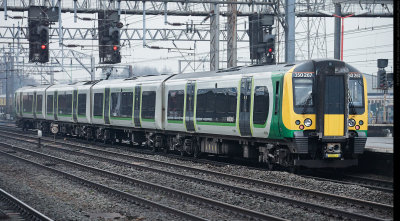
[(302, 95), (356, 96), (216, 105), (356, 89), (303, 91), (98, 104), (121, 104), (27, 103), (65, 104), (39, 102), (49, 104), (81, 104), (261, 105), (148, 104), (175, 105), (334, 95)]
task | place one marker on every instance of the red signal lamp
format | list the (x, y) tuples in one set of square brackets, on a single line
[(115, 48), (269, 50), (43, 47)]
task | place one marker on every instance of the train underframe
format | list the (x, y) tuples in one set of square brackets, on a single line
[(307, 150)]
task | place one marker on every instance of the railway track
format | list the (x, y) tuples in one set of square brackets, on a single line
[(205, 202), (371, 183), (14, 209), (374, 184), (308, 193)]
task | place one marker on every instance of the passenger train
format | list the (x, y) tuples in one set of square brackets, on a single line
[(311, 114)]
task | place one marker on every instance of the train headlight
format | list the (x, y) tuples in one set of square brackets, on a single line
[(297, 122), (307, 122), (361, 122), (352, 122)]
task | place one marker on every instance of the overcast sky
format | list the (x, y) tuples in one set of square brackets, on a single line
[(365, 40)]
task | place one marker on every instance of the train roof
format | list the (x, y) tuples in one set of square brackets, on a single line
[(235, 71)]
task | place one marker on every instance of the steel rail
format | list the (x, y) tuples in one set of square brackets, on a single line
[(25, 210), (108, 190), (241, 179), (323, 209), (171, 192)]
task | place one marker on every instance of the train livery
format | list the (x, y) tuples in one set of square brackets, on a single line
[(311, 114)]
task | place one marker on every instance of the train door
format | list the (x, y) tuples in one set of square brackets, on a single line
[(34, 103), (244, 111), (75, 106), (20, 104), (106, 106), (136, 110), (334, 105), (55, 105), (189, 109)]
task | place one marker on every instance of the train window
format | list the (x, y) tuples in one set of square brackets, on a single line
[(39, 102), (148, 104), (303, 91), (356, 90), (261, 105), (81, 104), (303, 95), (126, 104), (98, 104), (277, 97), (334, 95), (121, 104), (175, 105), (115, 104), (65, 104), (27, 101), (216, 105), (49, 104)]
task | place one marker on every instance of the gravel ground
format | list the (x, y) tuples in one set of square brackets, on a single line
[(254, 203), (62, 199), (278, 209), (290, 179)]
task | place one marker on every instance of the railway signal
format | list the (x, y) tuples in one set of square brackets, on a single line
[(38, 24), (382, 79), (262, 42), (109, 38), (270, 50)]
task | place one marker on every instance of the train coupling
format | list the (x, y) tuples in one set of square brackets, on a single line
[(332, 150)]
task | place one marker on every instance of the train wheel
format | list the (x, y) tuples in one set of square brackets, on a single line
[(270, 166), (294, 169)]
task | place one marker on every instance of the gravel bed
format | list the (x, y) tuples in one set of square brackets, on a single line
[(62, 199), (254, 203), (290, 179), (193, 208)]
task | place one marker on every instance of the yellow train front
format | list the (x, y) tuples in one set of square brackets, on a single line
[(324, 114)]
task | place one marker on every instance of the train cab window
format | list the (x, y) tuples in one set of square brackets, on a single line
[(356, 93), (49, 104), (216, 105), (98, 104), (261, 105), (39, 102), (27, 101), (148, 104), (175, 105), (81, 104), (65, 104), (303, 95), (121, 104)]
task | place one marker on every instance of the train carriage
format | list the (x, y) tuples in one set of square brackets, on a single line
[(310, 114)]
